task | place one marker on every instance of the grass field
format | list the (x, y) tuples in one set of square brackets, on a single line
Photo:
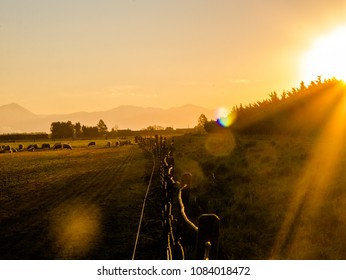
[(78, 143), (277, 197), (72, 204)]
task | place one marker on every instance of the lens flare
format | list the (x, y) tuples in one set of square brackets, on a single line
[(75, 229), (220, 145), (224, 118)]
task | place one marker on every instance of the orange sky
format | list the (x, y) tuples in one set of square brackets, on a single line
[(82, 55)]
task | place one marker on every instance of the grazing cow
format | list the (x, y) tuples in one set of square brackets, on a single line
[(67, 146), (62, 146), (109, 144), (57, 146), (46, 146), (32, 146), (20, 147), (91, 143), (7, 148)]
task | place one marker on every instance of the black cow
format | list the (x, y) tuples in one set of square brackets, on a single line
[(91, 143)]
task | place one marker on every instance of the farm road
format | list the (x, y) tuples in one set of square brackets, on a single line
[(86, 206)]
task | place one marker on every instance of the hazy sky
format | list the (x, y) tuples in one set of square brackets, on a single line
[(62, 56)]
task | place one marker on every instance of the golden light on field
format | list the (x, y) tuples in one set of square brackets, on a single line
[(75, 230), (297, 237), (220, 145), (327, 56)]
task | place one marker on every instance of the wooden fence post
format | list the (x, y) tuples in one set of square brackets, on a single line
[(186, 180), (208, 227), (169, 178), (208, 237)]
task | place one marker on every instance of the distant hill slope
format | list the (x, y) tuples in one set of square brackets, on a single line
[(15, 118), (12, 112)]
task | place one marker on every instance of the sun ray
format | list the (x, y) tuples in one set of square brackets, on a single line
[(296, 235)]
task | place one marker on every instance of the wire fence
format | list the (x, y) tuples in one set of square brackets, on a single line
[(143, 208), (176, 225)]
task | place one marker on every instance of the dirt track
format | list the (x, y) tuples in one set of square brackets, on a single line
[(88, 209)]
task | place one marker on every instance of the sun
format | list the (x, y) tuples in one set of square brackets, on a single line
[(326, 57)]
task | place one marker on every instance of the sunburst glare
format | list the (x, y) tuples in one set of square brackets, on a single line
[(326, 57), (297, 237)]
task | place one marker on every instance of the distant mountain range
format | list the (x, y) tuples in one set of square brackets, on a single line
[(16, 119)]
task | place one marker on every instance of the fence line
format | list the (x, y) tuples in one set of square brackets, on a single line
[(175, 228), (143, 207)]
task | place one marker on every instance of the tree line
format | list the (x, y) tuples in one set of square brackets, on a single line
[(11, 137), (60, 130), (69, 130), (298, 111)]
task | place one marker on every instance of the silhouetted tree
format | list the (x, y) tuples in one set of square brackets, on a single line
[(274, 97), (154, 127), (213, 127), (62, 130), (202, 120), (102, 127), (89, 131), (24, 136), (302, 86), (77, 129), (299, 110)]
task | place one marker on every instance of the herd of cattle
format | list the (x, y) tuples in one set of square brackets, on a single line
[(33, 147), (56, 146), (112, 144)]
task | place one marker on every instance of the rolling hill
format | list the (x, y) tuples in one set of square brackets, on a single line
[(17, 119)]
